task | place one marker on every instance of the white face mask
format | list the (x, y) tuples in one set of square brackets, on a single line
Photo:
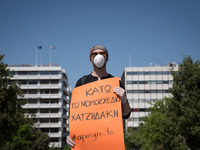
[(99, 61)]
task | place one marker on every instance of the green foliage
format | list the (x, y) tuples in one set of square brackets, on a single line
[(16, 131), (66, 148), (132, 138), (186, 101)]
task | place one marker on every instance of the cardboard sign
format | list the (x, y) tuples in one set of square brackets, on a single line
[(95, 121)]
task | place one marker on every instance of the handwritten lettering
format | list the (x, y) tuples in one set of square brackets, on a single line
[(100, 89), (92, 136), (75, 105), (95, 115), (101, 101)]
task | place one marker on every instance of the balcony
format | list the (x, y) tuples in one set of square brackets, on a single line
[(58, 134), (55, 144), (48, 115), (49, 125)]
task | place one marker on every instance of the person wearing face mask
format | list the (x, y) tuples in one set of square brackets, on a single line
[(99, 58)]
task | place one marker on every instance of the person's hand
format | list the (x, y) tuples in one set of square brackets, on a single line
[(70, 142), (121, 93)]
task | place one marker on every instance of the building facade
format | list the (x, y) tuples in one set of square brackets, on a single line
[(48, 93), (143, 86)]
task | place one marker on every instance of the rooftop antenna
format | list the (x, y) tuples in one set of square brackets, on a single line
[(40, 59), (36, 49), (130, 60), (51, 47)]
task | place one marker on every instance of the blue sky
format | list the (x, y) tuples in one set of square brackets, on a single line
[(150, 31)]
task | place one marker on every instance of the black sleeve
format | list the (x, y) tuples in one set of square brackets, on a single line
[(127, 116), (78, 83), (122, 86)]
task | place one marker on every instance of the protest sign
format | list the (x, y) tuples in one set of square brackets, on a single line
[(95, 121)]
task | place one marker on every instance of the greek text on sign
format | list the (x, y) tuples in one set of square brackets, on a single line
[(95, 121)]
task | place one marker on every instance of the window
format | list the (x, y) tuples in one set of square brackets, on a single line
[(54, 91), (32, 101), (54, 110), (165, 82), (143, 82), (159, 73), (44, 72), (24, 91), (54, 120), (22, 73), (141, 119), (32, 111), (54, 140), (32, 82), (132, 73), (54, 81), (134, 110), (32, 91), (44, 120), (44, 82), (44, 110), (44, 91), (44, 101), (159, 82), (12, 73), (166, 72), (141, 91), (54, 101), (53, 130), (45, 130), (32, 73), (54, 72), (23, 82), (132, 82)]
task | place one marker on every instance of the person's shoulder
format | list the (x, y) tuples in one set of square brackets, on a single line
[(81, 81)]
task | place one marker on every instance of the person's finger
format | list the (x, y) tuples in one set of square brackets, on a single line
[(70, 142)]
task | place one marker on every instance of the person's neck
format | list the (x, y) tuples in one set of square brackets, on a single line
[(99, 73)]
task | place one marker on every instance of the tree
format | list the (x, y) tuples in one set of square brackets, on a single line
[(132, 138), (16, 131), (185, 102), (160, 131), (174, 123)]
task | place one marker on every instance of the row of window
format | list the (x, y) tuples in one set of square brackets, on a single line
[(45, 91), (34, 111), (148, 91), (35, 82), (139, 110), (150, 101), (49, 130), (24, 82), (35, 72), (136, 119), (43, 101), (148, 73), (149, 82)]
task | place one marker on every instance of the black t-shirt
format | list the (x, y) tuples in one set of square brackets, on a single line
[(90, 78)]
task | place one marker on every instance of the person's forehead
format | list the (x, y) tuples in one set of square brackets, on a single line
[(98, 51)]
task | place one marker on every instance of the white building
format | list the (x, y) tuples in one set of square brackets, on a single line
[(143, 85), (48, 93)]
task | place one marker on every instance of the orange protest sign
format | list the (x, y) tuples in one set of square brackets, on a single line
[(95, 121)]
